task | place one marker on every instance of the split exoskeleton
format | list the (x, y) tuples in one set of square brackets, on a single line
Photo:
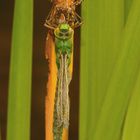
[(62, 12)]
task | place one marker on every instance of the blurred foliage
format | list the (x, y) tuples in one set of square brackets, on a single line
[(19, 100), (110, 60)]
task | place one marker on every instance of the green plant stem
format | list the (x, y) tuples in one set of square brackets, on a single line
[(19, 100)]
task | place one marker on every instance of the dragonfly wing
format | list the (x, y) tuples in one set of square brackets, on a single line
[(66, 101)]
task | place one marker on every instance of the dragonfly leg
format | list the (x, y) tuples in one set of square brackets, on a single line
[(77, 2), (48, 25), (78, 20), (49, 20)]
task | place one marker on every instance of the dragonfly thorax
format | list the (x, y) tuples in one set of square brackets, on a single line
[(63, 42)]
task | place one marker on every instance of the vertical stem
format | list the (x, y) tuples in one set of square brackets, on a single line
[(51, 85)]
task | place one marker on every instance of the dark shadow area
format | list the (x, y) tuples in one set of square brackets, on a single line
[(40, 69), (6, 16)]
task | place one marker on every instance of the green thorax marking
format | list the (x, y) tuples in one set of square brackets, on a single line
[(63, 41)]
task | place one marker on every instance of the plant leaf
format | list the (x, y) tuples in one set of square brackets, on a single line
[(127, 7), (100, 43), (132, 127), (123, 80), (19, 100)]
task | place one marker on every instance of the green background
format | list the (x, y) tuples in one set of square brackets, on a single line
[(106, 66)]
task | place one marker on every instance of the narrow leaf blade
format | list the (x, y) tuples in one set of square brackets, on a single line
[(19, 99)]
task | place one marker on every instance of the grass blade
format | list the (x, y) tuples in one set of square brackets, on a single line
[(123, 80), (132, 127), (101, 32), (20, 72)]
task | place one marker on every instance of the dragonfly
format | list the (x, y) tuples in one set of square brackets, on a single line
[(62, 20), (63, 48)]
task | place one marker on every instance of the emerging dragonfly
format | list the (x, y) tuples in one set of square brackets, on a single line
[(64, 48), (62, 20)]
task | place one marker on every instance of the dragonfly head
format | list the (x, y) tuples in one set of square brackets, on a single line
[(64, 31), (64, 27)]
